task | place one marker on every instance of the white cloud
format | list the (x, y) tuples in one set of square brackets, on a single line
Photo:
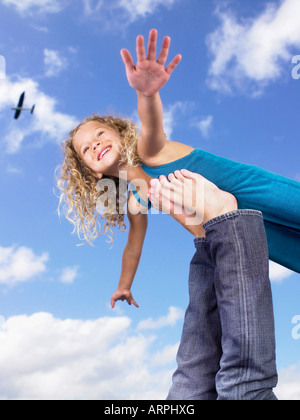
[(2, 68), (118, 13), (2, 322), (174, 315), (205, 125), (254, 52), (13, 170), (54, 63), (91, 6), (69, 275), (123, 12), (289, 384), (42, 6), (46, 122), (278, 273), (20, 265), (166, 355), (142, 8), (42, 357), (171, 115)]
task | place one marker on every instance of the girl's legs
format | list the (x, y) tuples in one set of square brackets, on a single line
[(239, 253), (200, 348), (239, 250)]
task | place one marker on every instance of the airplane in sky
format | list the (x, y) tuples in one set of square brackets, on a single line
[(20, 108)]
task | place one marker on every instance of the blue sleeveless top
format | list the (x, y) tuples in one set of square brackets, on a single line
[(277, 197)]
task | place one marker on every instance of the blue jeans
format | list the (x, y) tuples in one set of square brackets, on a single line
[(227, 350)]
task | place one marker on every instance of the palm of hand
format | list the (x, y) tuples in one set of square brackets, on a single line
[(148, 78), (149, 75)]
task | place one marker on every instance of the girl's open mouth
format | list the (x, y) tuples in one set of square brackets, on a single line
[(104, 152)]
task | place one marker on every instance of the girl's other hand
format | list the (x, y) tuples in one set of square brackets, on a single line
[(122, 295)]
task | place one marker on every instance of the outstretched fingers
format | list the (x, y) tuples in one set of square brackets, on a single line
[(127, 59), (132, 302), (174, 63), (140, 49), (152, 45), (164, 51)]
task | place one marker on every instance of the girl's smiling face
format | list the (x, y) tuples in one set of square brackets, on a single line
[(99, 146)]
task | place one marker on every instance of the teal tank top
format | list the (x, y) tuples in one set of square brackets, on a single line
[(277, 197)]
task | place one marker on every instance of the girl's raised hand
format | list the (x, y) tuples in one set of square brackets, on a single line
[(149, 75)]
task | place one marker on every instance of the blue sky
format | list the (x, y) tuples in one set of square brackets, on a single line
[(233, 95)]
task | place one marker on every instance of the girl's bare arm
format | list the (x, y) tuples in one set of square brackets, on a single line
[(147, 77), (131, 257)]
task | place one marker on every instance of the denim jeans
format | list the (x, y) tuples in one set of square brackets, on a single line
[(227, 350)]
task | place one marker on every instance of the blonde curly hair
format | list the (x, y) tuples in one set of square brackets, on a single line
[(78, 187)]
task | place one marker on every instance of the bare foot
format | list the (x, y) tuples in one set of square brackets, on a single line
[(190, 199), (170, 198)]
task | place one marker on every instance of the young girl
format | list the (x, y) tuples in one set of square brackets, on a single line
[(107, 147)]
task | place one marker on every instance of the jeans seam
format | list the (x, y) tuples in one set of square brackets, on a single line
[(200, 240), (231, 215), (245, 330)]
